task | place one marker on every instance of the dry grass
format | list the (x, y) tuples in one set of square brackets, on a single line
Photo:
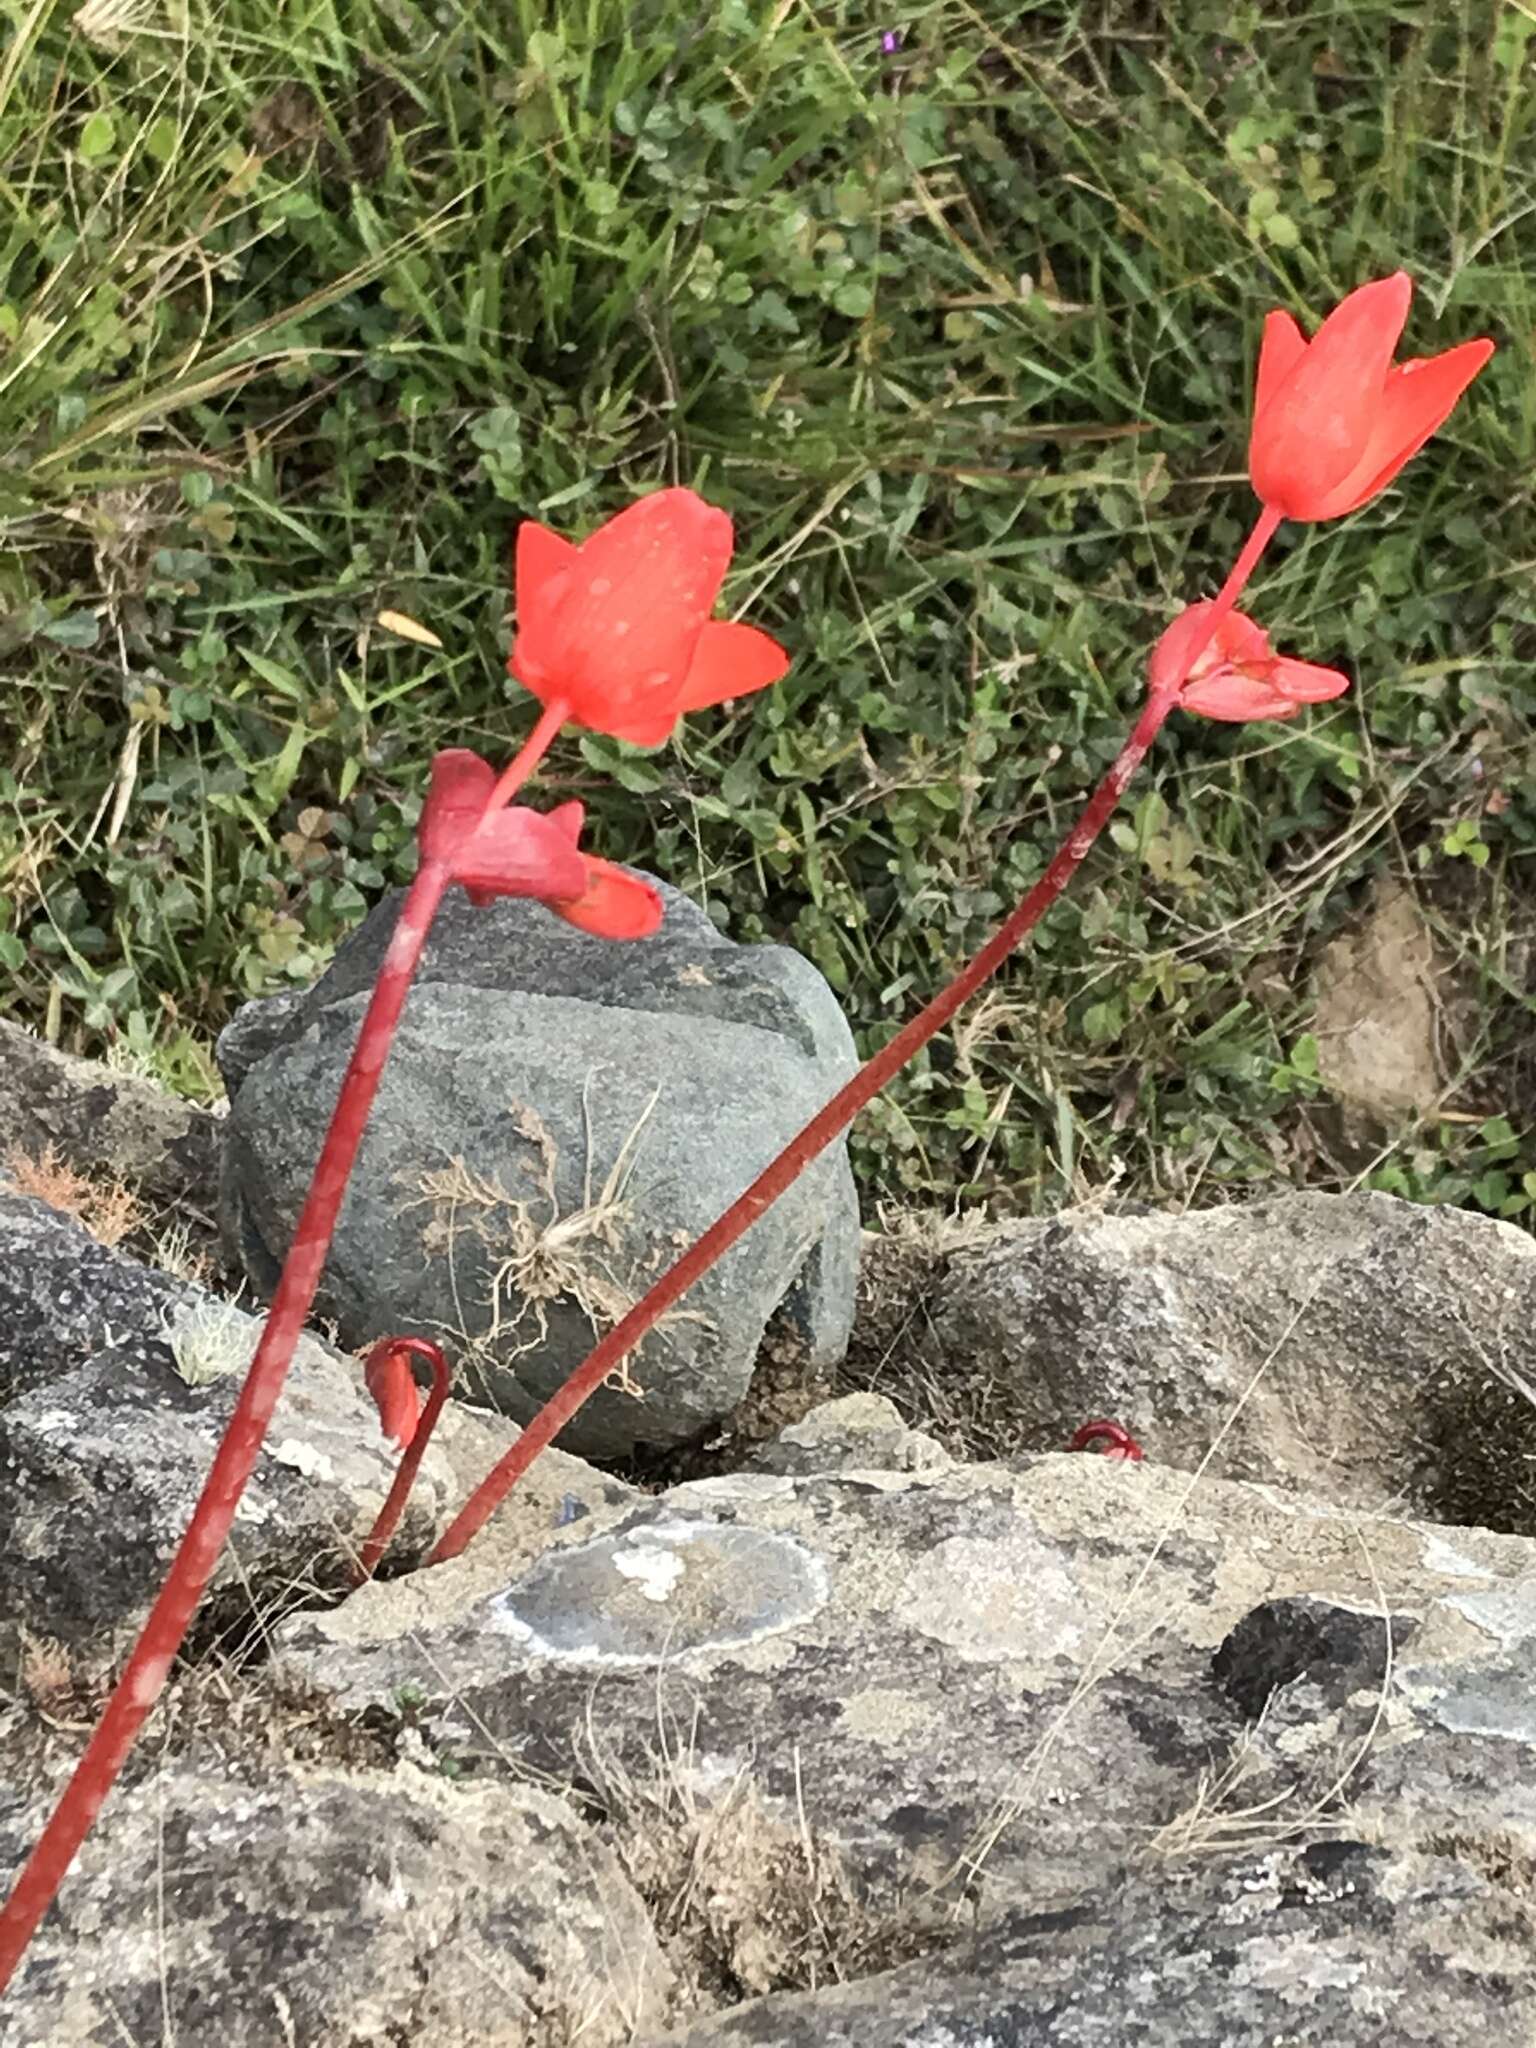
[(540, 1254), (108, 1208), (745, 1903)]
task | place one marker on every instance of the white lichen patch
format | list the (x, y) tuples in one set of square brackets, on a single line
[(304, 1458), (655, 1572), (209, 1340), (665, 1589)]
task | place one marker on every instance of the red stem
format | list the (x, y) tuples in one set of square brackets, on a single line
[(149, 1663), (826, 1125), (835, 1117), (529, 754), (405, 1472)]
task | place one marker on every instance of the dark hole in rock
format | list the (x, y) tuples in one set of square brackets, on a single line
[(1282, 1641)]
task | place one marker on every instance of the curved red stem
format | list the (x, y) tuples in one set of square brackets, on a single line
[(410, 1461), (830, 1121), (1116, 1439)]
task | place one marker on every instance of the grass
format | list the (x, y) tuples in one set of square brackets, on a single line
[(302, 307)]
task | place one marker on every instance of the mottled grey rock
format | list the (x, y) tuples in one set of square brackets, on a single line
[(1335, 1944), (858, 1432), (100, 1470), (100, 1122), (1010, 1682), (119, 1382), (322, 1909), (1348, 1345), (559, 1118), (63, 1296)]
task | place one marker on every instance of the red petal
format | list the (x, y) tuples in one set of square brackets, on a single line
[(630, 619), (730, 661), (1237, 638), (641, 729), (1313, 431), (543, 569), (613, 905), (1419, 398), (569, 818), (1234, 697), (395, 1393), (457, 792), (1307, 683), (518, 852), (1281, 350), (543, 557)]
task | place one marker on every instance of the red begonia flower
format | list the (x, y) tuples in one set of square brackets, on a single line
[(1238, 676), (394, 1390), (619, 628), (1333, 419), (522, 852)]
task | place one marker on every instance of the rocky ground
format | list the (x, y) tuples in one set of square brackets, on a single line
[(867, 1715)]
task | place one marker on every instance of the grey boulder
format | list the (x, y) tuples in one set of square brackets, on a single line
[(560, 1117), (320, 1908), (994, 1685), (1348, 1345), (121, 1381), (1336, 1943)]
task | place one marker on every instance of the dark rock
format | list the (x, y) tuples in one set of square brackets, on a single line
[(560, 1116), (1337, 1944), (320, 1909), (121, 1381), (1286, 1642), (63, 1296), (111, 1125)]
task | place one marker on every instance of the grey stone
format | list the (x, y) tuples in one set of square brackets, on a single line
[(63, 1296), (100, 1471), (324, 1909), (996, 1682), (1332, 1944), (121, 1381), (1344, 1345), (102, 1122), (559, 1118), (858, 1432)]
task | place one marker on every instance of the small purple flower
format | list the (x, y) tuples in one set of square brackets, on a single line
[(890, 42)]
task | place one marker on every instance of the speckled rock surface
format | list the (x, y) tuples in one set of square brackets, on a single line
[(1345, 1345), (101, 1460), (322, 1909), (1009, 1682), (559, 1117), (1337, 1944), (64, 1296), (103, 1123), (859, 1432)]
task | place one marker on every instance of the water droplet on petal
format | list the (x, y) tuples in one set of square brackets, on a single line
[(620, 628), (658, 679), (601, 585)]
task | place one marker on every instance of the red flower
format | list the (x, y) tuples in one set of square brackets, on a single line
[(619, 628), (1333, 419), (521, 852), (1238, 676)]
